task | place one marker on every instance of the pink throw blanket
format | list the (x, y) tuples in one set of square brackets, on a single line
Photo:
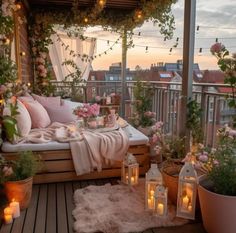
[(90, 153)]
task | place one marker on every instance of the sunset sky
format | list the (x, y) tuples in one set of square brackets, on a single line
[(216, 19)]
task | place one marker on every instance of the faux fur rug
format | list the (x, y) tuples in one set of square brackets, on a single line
[(116, 209)]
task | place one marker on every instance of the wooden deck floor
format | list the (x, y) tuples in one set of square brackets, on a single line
[(51, 207)]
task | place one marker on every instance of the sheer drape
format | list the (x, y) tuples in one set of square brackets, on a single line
[(59, 54)]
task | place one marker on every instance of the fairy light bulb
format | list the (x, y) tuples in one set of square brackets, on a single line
[(170, 51), (18, 6), (101, 2), (86, 20), (200, 52)]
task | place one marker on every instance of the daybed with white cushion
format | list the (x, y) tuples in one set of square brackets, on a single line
[(57, 158)]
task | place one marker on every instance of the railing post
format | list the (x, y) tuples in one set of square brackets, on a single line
[(188, 59), (123, 71)]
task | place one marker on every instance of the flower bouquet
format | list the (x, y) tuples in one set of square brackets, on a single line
[(89, 114)]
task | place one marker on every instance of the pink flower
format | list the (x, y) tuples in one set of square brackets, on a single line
[(113, 94), (7, 171), (40, 67), (203, 157), (155, 138), (215, 162), (3, 88), (232, 133), (98, 98), (217, 48), (159, 124), (40, 60)]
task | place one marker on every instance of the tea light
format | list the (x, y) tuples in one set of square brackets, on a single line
[(160, 208), (150, 203), (8, 215), (190, 208), (15, 207), (185, 202)]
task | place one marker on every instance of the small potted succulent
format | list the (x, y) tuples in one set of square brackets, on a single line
[(17, 177)]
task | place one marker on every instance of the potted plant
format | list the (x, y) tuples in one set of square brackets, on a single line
[(17, 177), (143, 118), (171, 149), (217, 188)]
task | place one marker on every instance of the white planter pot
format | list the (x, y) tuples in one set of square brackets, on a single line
[(218, 211)]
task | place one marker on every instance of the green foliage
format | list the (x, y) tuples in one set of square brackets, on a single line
[(6, 25), (9, 123), (26, 165), (8, 71), (220, 163), (194, 120), (143, 94)]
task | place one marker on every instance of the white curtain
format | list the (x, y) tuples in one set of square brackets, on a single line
[(59, 54)]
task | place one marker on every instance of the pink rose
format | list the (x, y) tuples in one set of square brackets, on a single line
[(232, 133), (203, 158), (217, 48)]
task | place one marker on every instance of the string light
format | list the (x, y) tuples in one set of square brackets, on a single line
[(139, 14), (86, 20), (146, 49), (198, 27), (101, 2), (216, 40), (139, 34), (170, 51)]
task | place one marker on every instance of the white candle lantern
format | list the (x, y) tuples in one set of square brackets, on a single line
[(187, 192), (130, 170), (153, 178), (161, 205)]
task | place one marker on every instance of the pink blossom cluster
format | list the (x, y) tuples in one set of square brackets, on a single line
[(157, 135), (217, 48), (7, 7), (87, 110), (150, 114), (40, 64)]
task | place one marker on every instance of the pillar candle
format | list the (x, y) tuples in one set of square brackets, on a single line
[(15, 207), (160, 209), (185, 202), (8, 215)]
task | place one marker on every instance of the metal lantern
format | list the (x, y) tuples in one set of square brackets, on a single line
[(161, 205), (187, 192), (130, 170), (153, 178)]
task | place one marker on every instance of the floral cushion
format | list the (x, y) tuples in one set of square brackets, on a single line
[(48, 101)]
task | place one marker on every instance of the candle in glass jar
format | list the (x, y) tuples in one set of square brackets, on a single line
[(8, 215), (132, 179), (15, 207), (150, 203), (185, 202), (190, 208), (152, 192), (160, 208)]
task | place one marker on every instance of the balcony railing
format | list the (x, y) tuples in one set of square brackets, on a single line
[(165, 102)]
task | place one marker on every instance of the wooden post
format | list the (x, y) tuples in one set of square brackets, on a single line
[(123, 72), (188, 60)]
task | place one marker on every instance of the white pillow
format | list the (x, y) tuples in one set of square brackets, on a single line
[(72, 104), (23, 119)]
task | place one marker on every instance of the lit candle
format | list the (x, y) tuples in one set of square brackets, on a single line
[(160, 208), (126, 178), (132, 179), (15, 207), (152, 192), (185, 202), (8, 215), (190, 208), (150, 203)]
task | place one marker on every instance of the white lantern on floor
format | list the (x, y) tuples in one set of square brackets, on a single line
[(161, 205), (187, 192), (153, 178), (130, 170)]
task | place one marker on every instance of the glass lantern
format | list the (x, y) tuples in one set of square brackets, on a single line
[(153, 178), (161, 205), (130, 170), (187, 192)]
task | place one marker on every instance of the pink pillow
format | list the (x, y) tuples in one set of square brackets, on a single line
[(38, 113), (23, 119), (25, 98), (62, 114), (48, 101)]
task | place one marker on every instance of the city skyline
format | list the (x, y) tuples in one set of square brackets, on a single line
[(214, 18)]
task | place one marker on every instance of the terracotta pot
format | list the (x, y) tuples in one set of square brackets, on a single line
[(146, 130), (218, 211), (170, 176), (20, 191)]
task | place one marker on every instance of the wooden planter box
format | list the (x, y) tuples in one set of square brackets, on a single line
[(58, 166)]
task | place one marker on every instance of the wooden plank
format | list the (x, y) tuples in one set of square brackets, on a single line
[(61, 210), (40, 222), (6, 228), (69, 205), (55, 155), (18, 223), (31, 211), (57, 166), (51, 223), (70, 176)]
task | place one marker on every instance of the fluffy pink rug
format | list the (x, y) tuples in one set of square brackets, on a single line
[(116, 209)]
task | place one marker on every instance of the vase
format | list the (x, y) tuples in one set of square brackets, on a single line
[(218, 211), (20, 191)]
